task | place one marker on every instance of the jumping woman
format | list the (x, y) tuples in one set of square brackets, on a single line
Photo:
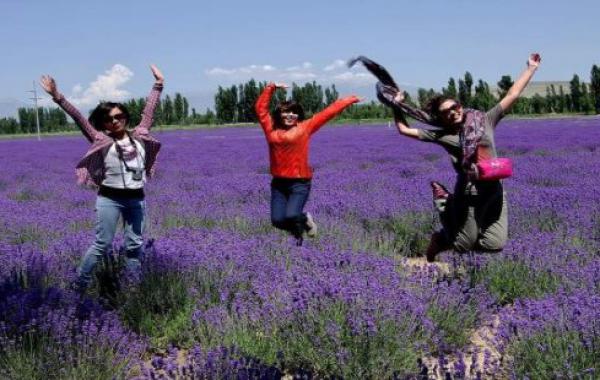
[(475, 215), (117, 164), (288, 135)]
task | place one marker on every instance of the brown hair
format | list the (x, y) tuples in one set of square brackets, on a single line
[(287, 106), (103, 109), (433, 107)]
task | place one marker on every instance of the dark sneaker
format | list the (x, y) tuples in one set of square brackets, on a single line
[(436, 245)]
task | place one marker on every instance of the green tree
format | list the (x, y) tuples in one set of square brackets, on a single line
[(451, 90), (168, 113), (587, 104), (465, 89), (178, 108), (576, 93), (483, 98), (504, 85), (595, 87), (331, 95)]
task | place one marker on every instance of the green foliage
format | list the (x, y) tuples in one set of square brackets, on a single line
[(504, 85), (595, 87), (307, 338), (507, 280), (406, 235), (37, 356), (554, 354), (454, 323), (159, 307)]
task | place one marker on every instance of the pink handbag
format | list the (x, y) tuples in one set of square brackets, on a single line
[(494, 169)]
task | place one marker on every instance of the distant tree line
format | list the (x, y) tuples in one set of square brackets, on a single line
[(581, 97), (169, 111), (235, 104)]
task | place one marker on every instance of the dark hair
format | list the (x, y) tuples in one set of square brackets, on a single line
[(433, 107), (101, 111), (287, 106)]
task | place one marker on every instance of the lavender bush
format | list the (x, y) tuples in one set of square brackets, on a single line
[(224, 295)]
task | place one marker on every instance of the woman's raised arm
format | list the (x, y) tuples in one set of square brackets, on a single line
[(49, 85), (152, 100), (517, 88)]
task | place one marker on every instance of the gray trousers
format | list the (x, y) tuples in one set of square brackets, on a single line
[(476, 221)]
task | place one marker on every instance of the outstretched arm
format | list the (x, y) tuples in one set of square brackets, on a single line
[(331, 111), (403, 127), (517, 88), (152, 100), (49, 85)]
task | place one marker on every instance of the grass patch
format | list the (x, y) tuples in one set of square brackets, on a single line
[(160, 307), (37, 356), (454, 323), (555, 354), (187, 221), (26, 195), (508, 280), (323, 343), (405, 235)]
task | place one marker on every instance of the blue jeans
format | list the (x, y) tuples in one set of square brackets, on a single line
[(288, 197), (108, 211)]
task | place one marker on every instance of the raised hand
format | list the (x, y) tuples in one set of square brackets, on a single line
[(158, 76), (49, 85), (534, 60), (281, 85)]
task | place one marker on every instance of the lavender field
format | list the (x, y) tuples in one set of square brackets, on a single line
[(224, 295)]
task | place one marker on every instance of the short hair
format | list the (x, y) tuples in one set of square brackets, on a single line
[(433, 106), (102, 110), (287, 106)]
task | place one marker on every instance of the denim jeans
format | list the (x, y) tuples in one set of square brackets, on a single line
[(108, 211), (288, 197)]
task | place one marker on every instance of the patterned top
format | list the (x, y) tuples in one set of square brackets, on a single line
[(90, 170)]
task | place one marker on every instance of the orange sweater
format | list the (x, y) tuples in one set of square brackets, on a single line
[(288, 149)]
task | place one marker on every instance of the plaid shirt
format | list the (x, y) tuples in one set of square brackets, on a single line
[(90, 170)]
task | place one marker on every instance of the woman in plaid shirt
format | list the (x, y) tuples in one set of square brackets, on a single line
[(117, 164)]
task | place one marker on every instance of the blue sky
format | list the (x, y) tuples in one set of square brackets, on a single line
[(101, 49)]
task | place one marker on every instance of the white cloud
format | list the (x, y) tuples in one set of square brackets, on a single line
[(219, 71), (305, 71), (337, 64), (251, 69), (354, 78), (107, 86), (301, 75)]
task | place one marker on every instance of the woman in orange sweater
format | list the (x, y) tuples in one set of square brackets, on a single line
[(288, 135)]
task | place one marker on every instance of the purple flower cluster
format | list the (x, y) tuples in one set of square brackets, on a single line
[(350, 303)]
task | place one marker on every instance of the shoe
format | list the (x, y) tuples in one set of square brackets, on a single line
[(439, 191), (311, 230), (436, 245), (440, 196)]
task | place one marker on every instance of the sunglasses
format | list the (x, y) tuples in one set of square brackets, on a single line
[(118, 117), (289, 116), (455, 107)]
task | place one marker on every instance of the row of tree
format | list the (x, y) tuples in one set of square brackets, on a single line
[(50, 119), (169, 111), (236, 103), (581, 98)]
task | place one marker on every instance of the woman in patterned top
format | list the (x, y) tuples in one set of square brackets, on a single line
[(475, 216), (117, 164)]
